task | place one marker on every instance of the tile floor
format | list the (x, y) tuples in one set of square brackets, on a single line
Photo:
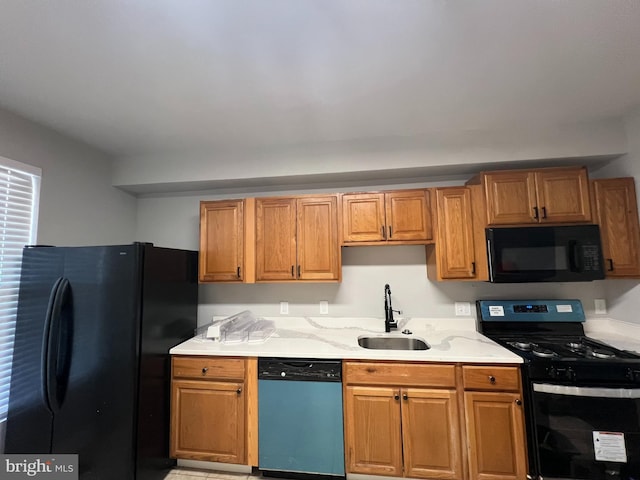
[(183, 473)]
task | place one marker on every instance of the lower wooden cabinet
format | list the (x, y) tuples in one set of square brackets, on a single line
[(212, 409), (431, 434), (415, 420), (373, 433), (209, 421), (398, 430), (495, 430), (495, 426)]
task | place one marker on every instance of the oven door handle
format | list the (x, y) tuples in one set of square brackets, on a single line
[(587, 391)]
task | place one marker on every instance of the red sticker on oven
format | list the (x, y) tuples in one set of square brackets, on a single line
[(610, 447)]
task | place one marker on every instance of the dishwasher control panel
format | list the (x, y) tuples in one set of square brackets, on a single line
[(304, 369)]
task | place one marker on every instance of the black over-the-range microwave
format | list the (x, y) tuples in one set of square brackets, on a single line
[(545, 254)]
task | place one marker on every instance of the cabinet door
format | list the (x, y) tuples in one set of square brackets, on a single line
[(563, 195), (221, 241), (208, 421), (363, 217), (454, 244), (408, 215), (275, 239), (496, 436), (616, 212), (372, 430), (431, 434), (317, 239), (510, 197)]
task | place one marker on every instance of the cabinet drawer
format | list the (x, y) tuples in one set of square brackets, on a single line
[(400, 374), (491, 378), (204, 368)]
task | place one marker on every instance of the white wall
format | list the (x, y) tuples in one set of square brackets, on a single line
[(440, 151), (78, 204), (172, 220)]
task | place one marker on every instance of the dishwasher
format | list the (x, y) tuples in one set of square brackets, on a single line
[(300, 426)]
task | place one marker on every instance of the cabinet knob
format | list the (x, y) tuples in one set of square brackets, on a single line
[(492, 379), (396, 397), (405, 396), (518, 402), (239, 391), (205, 370)]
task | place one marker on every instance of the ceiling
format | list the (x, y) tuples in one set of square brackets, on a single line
[(148, 76)]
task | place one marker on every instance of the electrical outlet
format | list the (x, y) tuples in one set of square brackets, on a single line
[(284, 308), (600, 306), (324, 307), (463, 309)]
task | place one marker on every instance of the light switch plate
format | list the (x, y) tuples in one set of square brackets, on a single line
[(284, 308), (463, 309), (600, 305), (324, 307)]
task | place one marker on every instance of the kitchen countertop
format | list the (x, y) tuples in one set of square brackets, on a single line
[(619, 334), (450, 339)]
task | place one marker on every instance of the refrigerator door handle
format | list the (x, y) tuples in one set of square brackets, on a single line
[(53, 326), (45, 343)]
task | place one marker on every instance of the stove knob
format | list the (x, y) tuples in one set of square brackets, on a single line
[(633, 375), (570, 374), (552, 372)]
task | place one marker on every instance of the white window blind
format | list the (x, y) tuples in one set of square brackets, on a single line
[(19, 193)]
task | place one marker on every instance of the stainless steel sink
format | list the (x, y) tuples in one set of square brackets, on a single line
[(393, 343)]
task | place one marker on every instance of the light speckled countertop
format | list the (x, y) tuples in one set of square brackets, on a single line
[(451, 340), (622, 335)]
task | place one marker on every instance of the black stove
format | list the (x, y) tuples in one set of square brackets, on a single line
[(581, 395), (553, 344)]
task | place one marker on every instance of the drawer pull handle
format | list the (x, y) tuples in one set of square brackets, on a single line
[(239, 391), (518, 402), (205, 370), (492, 379)]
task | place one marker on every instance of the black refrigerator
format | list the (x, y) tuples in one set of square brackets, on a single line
[(91, 369)]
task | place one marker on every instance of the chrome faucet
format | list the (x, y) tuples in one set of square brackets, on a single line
[(389, 322)]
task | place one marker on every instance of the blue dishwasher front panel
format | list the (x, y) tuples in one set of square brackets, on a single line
[(300, 427)]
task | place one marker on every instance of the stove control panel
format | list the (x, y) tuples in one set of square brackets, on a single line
[(530, 311), (530, 308), (562, 373)]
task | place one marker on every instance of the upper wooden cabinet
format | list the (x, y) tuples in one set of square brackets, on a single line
[(297, 239), (459, 252), (391, 217), (222, 241), (616, 212), (545, 195)]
